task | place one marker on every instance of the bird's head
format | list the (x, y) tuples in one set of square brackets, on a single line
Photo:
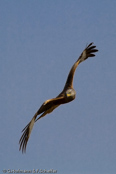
[(70, 94)]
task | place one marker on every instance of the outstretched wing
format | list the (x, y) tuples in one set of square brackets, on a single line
[(47, 107), (88, 52)]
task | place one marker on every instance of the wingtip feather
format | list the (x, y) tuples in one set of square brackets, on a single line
[(25, 136)]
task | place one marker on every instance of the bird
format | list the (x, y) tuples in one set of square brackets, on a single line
[(67, 95)]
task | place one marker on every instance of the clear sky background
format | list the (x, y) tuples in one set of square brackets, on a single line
[(39, 42)]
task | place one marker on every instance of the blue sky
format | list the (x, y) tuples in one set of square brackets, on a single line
[(39, 42)]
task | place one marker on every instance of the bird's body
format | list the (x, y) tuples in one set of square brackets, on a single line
[(67, 95)]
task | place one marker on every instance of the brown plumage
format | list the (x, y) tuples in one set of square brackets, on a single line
[(67, 95)]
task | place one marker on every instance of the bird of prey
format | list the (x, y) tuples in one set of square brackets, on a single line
[(67, 95)]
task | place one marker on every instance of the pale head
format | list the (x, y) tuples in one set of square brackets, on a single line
[(70, 94)]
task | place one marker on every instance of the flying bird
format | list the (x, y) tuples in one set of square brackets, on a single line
[(67, 95)]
